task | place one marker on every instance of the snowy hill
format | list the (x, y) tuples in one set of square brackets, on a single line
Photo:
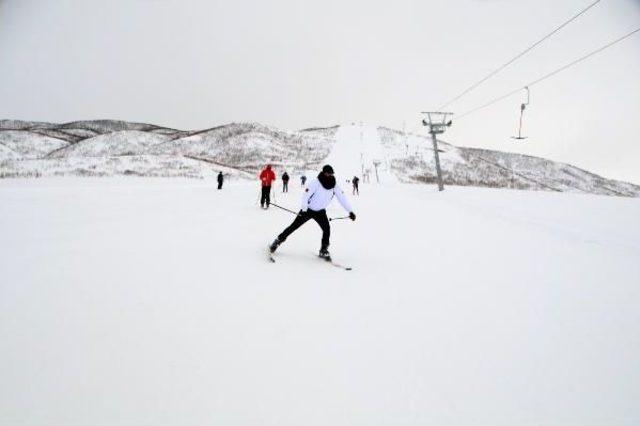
[(7, 153), (24, 125), (108, 126), (140, 301), (411, 159), (101, 148), (120, 143), (30, 145), (247, 146)]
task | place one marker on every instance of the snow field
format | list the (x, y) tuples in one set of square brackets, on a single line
[(142, 301)]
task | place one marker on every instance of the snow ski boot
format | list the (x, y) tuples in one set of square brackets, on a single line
[(274, 245), (324, 253)]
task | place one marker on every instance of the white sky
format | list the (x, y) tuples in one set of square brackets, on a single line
[(295, 64)]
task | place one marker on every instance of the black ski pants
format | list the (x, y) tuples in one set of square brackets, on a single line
[(321, 219), (285, 186), (219, 184), (266, 196)]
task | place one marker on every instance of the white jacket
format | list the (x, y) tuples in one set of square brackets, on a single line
[(316, 197)]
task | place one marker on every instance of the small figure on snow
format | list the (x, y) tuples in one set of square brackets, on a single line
[(266, 178), (355, 182), (220, 180), (315, 200), (285, 182), (303, 180)]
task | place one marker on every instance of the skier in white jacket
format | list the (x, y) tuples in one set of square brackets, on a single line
[(315, 200)]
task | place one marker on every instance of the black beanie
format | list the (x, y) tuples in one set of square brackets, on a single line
[(327, 169)]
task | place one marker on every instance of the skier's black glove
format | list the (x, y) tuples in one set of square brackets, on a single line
[(352, 216), (302, 214)]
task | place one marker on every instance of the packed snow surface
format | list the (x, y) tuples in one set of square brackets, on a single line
[(151, 302)]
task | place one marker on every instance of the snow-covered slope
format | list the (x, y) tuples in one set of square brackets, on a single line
[(377, 153), (30, 145), (7, 153), (24, 125), (126, 142), (359, 151), (248, 146), (136, 301), (108, 126), (128, 165), (411, 159)]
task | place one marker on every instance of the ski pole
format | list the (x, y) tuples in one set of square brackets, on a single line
[(280, 207), (291, 211)]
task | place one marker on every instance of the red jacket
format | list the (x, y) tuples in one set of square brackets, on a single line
[(267, 176)]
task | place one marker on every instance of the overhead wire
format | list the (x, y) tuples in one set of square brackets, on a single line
[(518, 56), (564, 67)]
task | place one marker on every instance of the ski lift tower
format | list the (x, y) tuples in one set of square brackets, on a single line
[(437, 123), (376, 163)]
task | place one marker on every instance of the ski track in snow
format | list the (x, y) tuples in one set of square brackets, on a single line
[(151, 301)]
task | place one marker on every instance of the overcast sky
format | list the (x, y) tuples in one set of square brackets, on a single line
[(292, 64)]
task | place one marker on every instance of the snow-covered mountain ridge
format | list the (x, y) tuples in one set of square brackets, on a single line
[(110, 147)]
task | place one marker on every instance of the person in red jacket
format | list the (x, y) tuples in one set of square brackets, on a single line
[(266, 177)]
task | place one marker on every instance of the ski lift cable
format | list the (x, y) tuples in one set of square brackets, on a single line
[(518, 56), (564, 67)]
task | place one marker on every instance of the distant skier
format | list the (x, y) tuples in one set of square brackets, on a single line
[(220, 180), (285, 182), (303, 180), (355, 182), (266, 177), (314, 202)]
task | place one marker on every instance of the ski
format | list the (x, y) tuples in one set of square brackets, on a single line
[(337, 265), (330, 261)]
